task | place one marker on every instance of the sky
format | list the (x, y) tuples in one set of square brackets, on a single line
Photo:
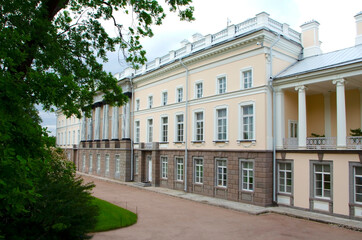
[(337, 28)]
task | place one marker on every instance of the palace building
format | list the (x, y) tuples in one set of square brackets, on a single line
[(255, 113)]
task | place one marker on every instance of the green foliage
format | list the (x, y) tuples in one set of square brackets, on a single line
[(112, 217), (316, 135), (356, 132)]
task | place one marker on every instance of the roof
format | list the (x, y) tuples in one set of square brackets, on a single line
[(324, 61)]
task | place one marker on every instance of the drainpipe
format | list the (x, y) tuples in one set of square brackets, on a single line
[(186, 120), (131, 125), (271, 78)]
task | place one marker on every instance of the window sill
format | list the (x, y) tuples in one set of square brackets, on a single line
[(321, 199), (198, 184), (246, 191), (179, 142), (163, 179), (163, 142), (221, 187), (285, 194), (246, 140), (197, 141), (221, 141)]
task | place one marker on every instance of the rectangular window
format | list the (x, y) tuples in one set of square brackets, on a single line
[(180, 94), (136, 164), (164, 129), (247, 79), (137, 131), (247, 175), (98, 162), (199, 126), (118, 163), (150, 101), (83, 163), (285, 178), (247, 122), (357, 184), (179, 169), (180, 128), (198, 90), (164, 167), (221, 173), (221, 121), (164, 98), (221, 85), (107, 163), (199, 170), (90, 163), (137, 104), (322, 181), (150, 130)]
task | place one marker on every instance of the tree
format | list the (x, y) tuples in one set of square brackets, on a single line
[(49, 52)]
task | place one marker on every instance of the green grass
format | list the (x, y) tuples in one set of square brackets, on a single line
[(112, 217)]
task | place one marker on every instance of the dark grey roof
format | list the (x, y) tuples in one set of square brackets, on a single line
[(324, 61)]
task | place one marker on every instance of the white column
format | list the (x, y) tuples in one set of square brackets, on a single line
[(105, 122), (115, 121), (97, 123), (279, 118), (84, 126), (327, 115), (341, 113), (302, 117)]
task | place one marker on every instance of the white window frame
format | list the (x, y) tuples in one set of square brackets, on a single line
[(221, 76), (98, 162), (195, 128), (179, 162), (216, 126), (137, 104), (164, 139), (179, 138), (323, 181), (164, 167), (250, 174), (137, 130), (177, 98), (149, 131), (196, 89), (150, 101), (117, 161), (164, 97), (198, 170), (283, 180), (223, 173), (241, 120), (242, 81), (292, 133)]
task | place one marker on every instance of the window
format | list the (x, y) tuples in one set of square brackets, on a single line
[(98, 162), (199, 126), (164, 167), (199, 170), (357, 184), (137, 131), (322, 180), (150, 130), (293, 129), (83, 163), (164, 98), (247, 79), (221, 85), (137, 104), (179, 169), (198, 90), (285, 178), (221, 124), (107, 163), (247, 175), (150, 101), (164, 129), (136, 164), (118, 163), (90, 163), (221, 173), (247, 122), (180, 128), (179, 94)]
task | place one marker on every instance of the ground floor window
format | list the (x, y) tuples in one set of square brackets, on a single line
[(98, 162), (221, 172), (90, 163), (285, 177), (357, 184), (107, 163), (118, 163), (164, 167), (83, 162), (179, 169), (136, 164), (322, 180), (247, 175), (198, 170)]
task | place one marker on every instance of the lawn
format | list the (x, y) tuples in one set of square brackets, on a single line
[(112, 217)]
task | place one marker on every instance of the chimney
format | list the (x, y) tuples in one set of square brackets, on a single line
[(358, 18), (310, 38)]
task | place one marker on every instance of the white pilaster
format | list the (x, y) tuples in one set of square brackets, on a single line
[(302, 117), (269, 123), (105, 122), (341, 113), (97, 123), (115, 121), (279, 118), (327, 115)]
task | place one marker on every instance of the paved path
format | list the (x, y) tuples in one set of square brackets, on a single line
[(162, 216)]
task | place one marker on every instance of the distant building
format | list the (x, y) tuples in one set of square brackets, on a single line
[(200, 119)]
